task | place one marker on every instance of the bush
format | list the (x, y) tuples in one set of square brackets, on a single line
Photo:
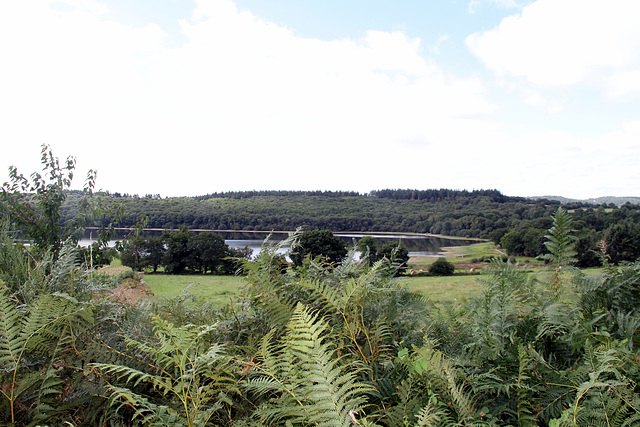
[(442, 267)]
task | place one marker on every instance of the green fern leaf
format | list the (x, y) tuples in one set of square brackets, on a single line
[(191, 377), (313, 384), (12, 337), (444, 376)]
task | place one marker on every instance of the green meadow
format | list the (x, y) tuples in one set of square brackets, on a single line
[(219, 290)]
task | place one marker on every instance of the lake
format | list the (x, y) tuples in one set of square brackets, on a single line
[(418, 245)]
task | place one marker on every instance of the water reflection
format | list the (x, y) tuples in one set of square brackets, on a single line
[(418, 245)]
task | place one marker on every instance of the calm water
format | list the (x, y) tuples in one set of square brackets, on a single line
[(417, 245)]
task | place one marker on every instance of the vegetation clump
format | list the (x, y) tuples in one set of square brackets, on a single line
[(318, 243), (442, 267)]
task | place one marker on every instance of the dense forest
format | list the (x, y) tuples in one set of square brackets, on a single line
[(448, 212)]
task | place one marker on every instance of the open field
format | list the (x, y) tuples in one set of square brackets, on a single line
[(467, 257), (444, 289), (219, 290)]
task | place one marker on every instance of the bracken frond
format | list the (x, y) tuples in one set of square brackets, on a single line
[(444, 377), (312, 384)]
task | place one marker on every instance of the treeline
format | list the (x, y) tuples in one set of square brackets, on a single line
[(612, 232), (443, 194), (448, 212), (182, 250), (256, 193), (516, 223)]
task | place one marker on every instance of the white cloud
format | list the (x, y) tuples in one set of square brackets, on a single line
[(536, 99), (564, 42), (91, 6), (580, 167), (242, 103), (623, 83)]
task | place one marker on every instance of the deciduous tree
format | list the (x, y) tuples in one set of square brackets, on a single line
[(34, 204), (176, 257), (207, 252), (319, 243), (623, 241), (442, 267)]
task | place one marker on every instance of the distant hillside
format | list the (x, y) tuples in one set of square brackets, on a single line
[(618, 201), (438, 211), (518, 224)]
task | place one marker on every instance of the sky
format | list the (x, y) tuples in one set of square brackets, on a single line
[(192, 97)]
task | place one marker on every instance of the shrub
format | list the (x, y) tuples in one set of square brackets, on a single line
[(442, 267)]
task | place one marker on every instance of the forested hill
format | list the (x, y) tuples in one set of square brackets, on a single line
[(607, 200), (450, 212)]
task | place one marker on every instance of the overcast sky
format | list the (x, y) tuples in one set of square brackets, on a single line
[(183, 98)]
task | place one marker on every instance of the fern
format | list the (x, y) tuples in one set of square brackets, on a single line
[(506, 299), (195, 380), (353, 301), (608, 396), (408, 401), (23, 275), (445, 378), (524, 405), (144, 410), (267, 291), (311, 384), (561, 246), (433, 416), (46, 331)]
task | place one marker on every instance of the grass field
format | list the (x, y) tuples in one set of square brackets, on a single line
[(219, 290), (460, 255), (444, 289)]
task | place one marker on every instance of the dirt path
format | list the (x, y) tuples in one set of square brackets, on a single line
[(130, 290)]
